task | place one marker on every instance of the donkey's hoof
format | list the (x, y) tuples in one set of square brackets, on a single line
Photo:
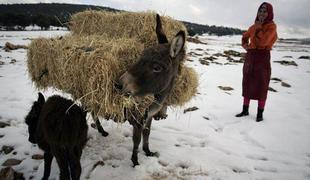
[(152, 154), (135, 162), (104, 133), (93, 125), (160, 116), (148, 152)]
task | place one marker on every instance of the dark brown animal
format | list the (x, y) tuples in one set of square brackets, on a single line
[(60, 129), (154, 73)]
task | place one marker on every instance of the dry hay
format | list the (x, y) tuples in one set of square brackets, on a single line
[(137, 25), (87, 67), (185, 87)]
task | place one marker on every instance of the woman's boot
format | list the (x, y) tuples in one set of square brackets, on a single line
[(259, 116), (245, 111)]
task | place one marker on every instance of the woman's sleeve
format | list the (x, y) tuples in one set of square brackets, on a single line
[(245, 37), (266, 37)]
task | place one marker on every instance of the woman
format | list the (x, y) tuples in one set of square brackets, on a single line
[(258, 41)]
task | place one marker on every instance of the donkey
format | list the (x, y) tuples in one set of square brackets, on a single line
[(154, 73), (60, 130)]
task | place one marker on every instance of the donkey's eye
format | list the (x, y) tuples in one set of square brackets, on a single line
[(157, 68)]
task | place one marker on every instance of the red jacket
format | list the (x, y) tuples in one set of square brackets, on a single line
[(260, 36)]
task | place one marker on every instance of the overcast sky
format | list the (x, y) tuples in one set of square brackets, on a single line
[(291, 16)]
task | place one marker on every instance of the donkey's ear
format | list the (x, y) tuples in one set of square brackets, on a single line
[(41, 99), (177, 44), (159, 31)]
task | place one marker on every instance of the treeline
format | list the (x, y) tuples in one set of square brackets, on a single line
[(19, 16), (193, 29), (12, 21)]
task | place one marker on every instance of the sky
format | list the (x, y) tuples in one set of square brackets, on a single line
[(291, 16)]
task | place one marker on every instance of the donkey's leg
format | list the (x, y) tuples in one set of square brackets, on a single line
[(74, 156), (154, 108), (99, 127), (136, 137), (62, 161), (48, 157), (146, 134)]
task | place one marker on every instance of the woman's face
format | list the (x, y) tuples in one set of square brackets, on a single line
[(262, 13)]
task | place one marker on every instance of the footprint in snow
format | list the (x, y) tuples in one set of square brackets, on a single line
[(172, 128), (251, 140), (265, 169), (203, 143), (240, 170), (163, 163), (186, 142), (184, 164), (257, 157)]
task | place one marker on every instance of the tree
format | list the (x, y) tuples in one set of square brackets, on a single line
[(42, 20), (22, 20)]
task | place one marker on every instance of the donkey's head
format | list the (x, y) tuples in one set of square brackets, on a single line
[(33, 117), (157, 67)]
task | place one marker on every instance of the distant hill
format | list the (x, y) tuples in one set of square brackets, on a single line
[(18, 16), (304, 41), (62, 11)]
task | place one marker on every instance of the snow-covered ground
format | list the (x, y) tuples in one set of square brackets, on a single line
[(209, 143), (36, 28)]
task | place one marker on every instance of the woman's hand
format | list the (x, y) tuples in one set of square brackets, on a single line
[(245, 42), (245, 46)]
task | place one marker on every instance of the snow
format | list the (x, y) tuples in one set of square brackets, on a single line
[(35, 28), (190, 146), (38, 28)]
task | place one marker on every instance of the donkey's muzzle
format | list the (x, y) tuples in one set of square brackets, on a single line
[(119, 88), (127, 84)]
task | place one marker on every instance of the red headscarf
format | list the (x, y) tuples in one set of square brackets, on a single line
[(269, 10)]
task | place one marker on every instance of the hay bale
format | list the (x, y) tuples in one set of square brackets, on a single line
[(87, 67), (137, 25), (84, 67), (102, 47)]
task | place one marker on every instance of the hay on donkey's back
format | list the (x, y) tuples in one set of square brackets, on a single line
[(88, 66), (84, 67), (138, 25)]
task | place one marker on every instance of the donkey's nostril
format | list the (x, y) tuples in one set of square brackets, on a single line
[(127, 94), (118, 86)]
